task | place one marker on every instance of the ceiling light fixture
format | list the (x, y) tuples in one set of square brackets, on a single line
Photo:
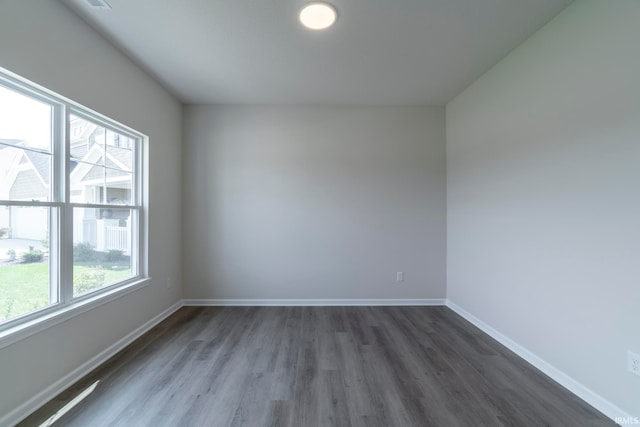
[(318, 15)]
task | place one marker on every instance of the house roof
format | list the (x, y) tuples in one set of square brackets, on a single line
[(27, 185), (121, 155), (41, 162), (9, 142), (118, 159), (82, 146)]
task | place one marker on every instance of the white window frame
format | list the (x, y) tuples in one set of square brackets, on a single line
[(61, 216)]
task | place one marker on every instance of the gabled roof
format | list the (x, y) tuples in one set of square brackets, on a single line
[(9, 142), (41, 162), (82, 146), (117, 159)]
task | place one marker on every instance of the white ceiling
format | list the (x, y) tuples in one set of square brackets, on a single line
[(387, 52)]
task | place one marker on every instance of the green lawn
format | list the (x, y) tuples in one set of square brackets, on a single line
[(25, 287)]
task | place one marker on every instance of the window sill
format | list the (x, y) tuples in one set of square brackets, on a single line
[(26, 329)]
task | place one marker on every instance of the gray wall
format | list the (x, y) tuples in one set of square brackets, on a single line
[(314, 202), (42, 41), (543, 196)]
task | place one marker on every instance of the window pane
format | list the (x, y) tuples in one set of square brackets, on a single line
[(24, 174), (24, 261), (102, 242), (25, 121)]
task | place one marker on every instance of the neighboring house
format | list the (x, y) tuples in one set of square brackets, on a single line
[(101, 166), (24, 176)]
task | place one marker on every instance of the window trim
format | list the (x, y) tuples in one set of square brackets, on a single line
[(61, 271), (48, 317)]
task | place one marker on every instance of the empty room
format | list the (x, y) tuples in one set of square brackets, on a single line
[(299, 213)]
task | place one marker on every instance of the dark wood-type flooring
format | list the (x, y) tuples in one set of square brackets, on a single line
[(318, 366)]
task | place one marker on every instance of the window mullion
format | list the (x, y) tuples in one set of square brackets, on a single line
[(137, 198), (66, 212), (66, 258), (134, 244), (57, 122)]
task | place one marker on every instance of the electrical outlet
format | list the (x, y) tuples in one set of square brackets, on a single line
[(400, 276), (633, 363)]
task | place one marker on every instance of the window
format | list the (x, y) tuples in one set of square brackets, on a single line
[(71, 212)]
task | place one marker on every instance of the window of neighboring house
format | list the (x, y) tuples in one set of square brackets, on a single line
[(71, 204)]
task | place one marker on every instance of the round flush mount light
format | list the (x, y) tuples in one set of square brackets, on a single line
[(318, 15)]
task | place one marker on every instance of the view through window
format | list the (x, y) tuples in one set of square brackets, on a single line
[(70, 202), (25, 177)]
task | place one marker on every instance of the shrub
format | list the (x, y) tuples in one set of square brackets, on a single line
[(32, 256), (114, 255), (88, 281), (11, 253), (83, 252), (4, 232)]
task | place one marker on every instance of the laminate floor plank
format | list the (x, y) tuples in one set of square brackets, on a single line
[(316, 367), (354, 379), (279, 414)]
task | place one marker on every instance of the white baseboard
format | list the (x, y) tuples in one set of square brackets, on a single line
[(31, 405), (312, 302), (584, 393)]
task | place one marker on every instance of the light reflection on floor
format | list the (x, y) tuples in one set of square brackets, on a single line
[(66, 408)]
